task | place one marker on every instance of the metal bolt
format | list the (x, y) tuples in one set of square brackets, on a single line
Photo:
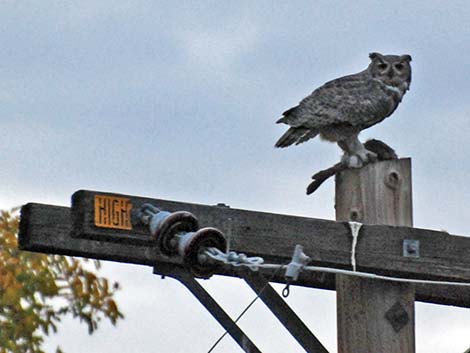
[(221, 204), (410, 248), (355, 215)]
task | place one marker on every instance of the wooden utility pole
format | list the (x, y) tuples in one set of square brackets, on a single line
[(375, 316)]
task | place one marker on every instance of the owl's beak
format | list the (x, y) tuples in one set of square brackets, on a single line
[(390, 73)]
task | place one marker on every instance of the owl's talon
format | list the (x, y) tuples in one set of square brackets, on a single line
[(355, 162), (352, 161), (359, 159), (371, 156)]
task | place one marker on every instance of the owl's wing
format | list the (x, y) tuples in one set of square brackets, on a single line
[(351, 100)]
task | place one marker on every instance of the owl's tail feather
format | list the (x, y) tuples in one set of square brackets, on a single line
[(310, 134), (296, 135)]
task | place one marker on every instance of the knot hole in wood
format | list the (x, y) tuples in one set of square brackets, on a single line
[(393, 179)]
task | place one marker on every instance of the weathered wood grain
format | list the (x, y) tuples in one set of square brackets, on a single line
[(274, 236), (46, 228), (375, 315)]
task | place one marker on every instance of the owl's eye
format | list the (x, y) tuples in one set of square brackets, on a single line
[(399, 66), (382, 66)]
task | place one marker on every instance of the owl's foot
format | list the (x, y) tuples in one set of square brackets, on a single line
[(382, 150), (356, 155), (358, 159)]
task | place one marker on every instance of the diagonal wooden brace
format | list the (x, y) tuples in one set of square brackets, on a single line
[(283, 312), (188, 280)]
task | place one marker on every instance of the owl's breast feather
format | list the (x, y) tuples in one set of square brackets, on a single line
[(393, 89)]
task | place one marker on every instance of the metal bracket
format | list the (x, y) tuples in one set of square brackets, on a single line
[(411, 248)]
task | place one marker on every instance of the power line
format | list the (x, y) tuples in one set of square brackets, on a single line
[(247, 307)]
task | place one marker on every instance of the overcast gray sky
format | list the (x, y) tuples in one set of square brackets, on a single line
[(177, 100)]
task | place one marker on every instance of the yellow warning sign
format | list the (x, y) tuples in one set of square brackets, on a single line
[(113, 212)]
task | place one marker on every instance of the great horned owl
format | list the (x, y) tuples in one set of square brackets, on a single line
[(340, 109)]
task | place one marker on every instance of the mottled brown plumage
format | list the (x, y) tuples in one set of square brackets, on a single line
[(340, 109)]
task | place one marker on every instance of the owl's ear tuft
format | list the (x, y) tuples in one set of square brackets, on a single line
[(373, 56), (405, 57)]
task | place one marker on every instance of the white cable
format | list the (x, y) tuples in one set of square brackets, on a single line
[(234, 259), (355, 228), (255, 263), (387, 278), (368, 275)]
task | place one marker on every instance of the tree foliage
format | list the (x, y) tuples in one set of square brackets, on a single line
[(37, 290)]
